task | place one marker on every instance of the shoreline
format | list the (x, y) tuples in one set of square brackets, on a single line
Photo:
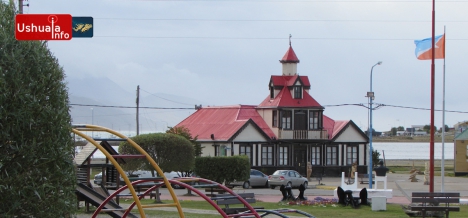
[(416, 162)]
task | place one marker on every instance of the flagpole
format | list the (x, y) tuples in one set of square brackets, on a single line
[(431, 150), (442, 163)]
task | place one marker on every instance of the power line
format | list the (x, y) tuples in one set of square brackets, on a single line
[(262, 38), (310, 1), (276, 20), (132, 107), (164, 98), (416, 108), (223, 107)]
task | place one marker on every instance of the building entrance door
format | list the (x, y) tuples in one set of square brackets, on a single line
[(300, 159)]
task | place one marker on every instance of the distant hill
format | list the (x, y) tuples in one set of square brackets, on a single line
[(157, 111)]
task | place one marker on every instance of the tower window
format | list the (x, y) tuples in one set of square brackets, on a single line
[(298, 92)]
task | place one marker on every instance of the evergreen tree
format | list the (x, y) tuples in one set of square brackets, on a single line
[(37, 175)]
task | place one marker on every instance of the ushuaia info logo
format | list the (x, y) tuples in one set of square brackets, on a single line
[(43, 27)]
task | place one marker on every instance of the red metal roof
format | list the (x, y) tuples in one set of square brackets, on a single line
[(284, 99), (289, 80), (223, 122), (333, 127), (290, 57)]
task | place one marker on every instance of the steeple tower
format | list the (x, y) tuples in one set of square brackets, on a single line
[(289, 61)]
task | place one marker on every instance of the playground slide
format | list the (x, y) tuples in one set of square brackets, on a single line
[(96, 199)]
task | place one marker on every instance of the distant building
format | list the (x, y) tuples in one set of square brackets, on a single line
[(410, 130), (285, 131), (419, 133), (415, 130), (460, 127), (461, 154)]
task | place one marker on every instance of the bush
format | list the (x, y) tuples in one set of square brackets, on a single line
[(37, 175), (223, 169), (170, 151)]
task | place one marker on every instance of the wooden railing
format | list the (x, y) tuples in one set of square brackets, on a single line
[(303, 134)]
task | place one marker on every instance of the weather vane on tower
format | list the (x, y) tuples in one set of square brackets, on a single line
[(290, 39)]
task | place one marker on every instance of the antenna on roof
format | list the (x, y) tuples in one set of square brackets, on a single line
[(290, 39)]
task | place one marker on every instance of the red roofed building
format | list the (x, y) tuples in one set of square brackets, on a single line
[(285, 131)]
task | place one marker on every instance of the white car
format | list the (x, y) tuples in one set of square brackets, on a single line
[(288, 178), (148, 174)]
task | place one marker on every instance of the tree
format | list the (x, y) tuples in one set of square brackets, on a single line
[(401, 128), (394, 131), (427, 128), (171, 152), (446, 129), (37, 175), (132, 165), (185, 132), (375, 158)]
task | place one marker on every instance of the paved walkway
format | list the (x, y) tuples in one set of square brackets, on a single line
[(400, 184)]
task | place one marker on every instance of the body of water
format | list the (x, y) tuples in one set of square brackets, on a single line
[(397, 150), (420, 150)]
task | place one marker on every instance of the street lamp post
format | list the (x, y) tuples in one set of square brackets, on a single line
[(370, 95), (92, 121)]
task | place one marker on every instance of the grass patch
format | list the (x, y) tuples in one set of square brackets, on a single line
[(324, 187), (393, 210), (407, 170)]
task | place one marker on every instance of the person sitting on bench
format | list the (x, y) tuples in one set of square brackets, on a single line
[(381, 170)]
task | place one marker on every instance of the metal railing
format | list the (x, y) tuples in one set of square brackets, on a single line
[(303, 134)]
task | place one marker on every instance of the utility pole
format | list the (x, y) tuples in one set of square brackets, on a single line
[(21, 6), (137, 107)]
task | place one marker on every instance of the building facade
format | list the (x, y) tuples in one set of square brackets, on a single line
[(285, 131)]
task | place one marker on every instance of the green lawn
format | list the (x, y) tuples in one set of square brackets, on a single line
[(407, 170), (393, 210)]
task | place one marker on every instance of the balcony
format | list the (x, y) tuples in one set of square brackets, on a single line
[(303, 134)]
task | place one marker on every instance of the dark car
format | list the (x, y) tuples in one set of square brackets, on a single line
[(98, 178), (257, 179)]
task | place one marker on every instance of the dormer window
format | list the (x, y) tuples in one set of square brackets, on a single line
[(272, 92), (298, 92)]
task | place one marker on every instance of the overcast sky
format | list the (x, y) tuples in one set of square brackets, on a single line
[(224, 52)]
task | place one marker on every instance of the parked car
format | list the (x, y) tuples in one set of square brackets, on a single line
[(288, 178), (257, 179), (197, 182), (148, 174), (98, 178), (173, 175)]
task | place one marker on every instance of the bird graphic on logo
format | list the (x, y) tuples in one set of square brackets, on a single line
[(81, 27)]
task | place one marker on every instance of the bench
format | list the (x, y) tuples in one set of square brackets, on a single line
[(227, 199), (143, 187), (435, 201), (209, 191), (364, 178)]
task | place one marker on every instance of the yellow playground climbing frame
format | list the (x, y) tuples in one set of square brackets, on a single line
[(79, 129)]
